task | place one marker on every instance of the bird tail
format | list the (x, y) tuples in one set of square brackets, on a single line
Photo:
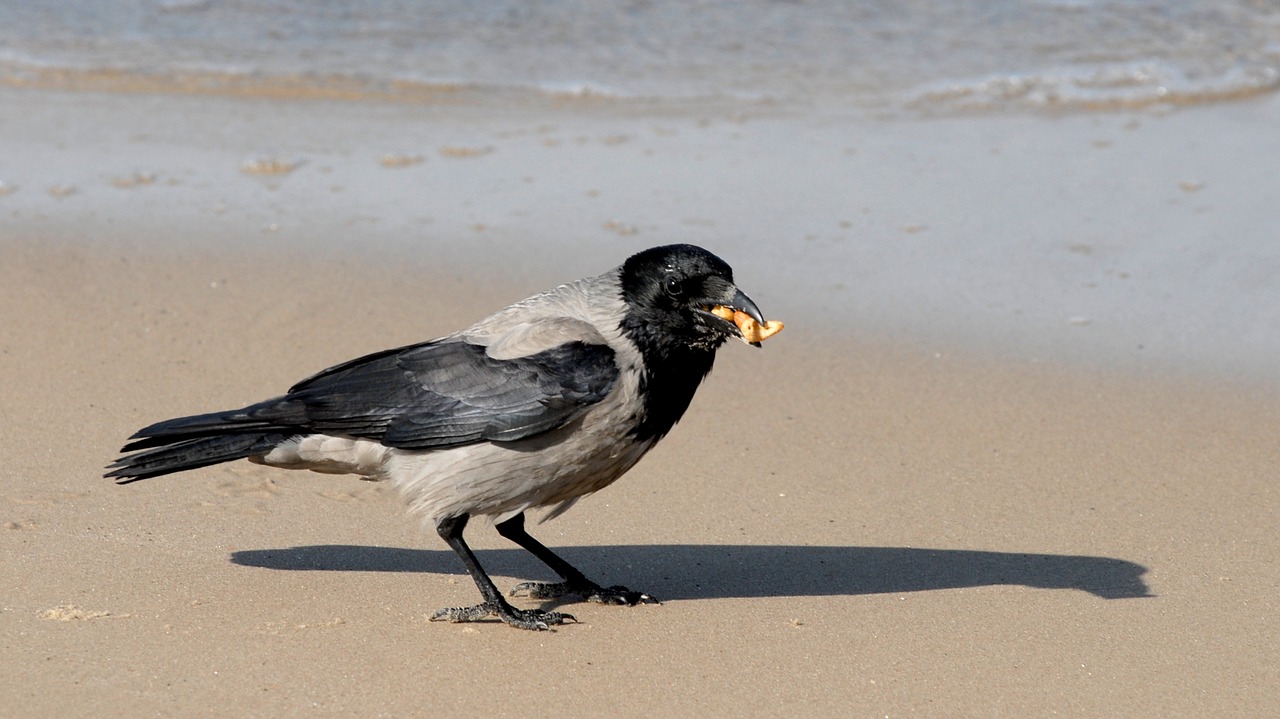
[(184, 443)]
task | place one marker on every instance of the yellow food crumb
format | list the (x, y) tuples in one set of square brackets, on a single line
[(752, 331)]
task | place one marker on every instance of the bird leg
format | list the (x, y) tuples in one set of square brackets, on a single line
[(450, 530), (575, 582)]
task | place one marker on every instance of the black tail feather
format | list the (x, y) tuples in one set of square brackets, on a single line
[(180, 453), (212, 424)]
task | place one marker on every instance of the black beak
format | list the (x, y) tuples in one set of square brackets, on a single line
[(740, 301), (733, 299)]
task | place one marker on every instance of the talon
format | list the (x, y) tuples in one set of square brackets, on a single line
[(541, 590), (533, 619), (462, 614), (616, 595), (536, 619)]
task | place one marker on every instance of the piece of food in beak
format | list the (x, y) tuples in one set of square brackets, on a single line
[(752, 331)]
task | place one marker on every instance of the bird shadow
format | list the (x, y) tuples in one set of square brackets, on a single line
[(701, 571)]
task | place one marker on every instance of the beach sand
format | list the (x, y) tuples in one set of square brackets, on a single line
[(862, 518)]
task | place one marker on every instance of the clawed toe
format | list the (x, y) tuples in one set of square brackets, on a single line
[(533, 619), (463, 614), (537, 619), (540, 590), (615, 595)]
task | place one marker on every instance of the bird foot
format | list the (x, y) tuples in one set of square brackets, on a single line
[(533, 619), (616, 595)]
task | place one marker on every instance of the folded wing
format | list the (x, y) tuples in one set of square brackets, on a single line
[(436, 394), (450, 393)]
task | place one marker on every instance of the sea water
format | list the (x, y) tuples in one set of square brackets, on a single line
[(890, 56)]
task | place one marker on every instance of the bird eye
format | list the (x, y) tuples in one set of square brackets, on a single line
[(674, 288)]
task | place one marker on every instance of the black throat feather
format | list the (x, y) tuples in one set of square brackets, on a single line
[(671, 375)]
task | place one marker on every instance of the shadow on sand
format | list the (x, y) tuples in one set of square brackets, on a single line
[(699, 571)]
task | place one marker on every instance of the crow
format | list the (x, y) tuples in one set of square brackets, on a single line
[(535, 406)]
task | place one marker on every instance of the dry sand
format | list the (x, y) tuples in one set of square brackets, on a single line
[(842, 525)]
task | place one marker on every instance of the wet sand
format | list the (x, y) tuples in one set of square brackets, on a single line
[(850, 521)]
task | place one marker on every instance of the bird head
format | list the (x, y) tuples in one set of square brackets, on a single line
[(673, 292)]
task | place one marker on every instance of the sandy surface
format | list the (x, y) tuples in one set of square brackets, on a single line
[(844, 524)]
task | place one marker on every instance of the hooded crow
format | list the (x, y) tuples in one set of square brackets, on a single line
[(533, 407)]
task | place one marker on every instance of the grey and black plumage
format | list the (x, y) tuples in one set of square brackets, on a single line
[(535, 406)]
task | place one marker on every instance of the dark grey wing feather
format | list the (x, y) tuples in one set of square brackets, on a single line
[(436, 394), (447, 393)]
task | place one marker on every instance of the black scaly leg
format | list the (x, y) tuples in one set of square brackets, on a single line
[(450, 530), (574, 581)]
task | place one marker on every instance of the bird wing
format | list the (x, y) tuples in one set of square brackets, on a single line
[(446, 393), (504, 338)]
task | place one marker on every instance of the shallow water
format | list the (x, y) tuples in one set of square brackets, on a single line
[(887, 56)]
